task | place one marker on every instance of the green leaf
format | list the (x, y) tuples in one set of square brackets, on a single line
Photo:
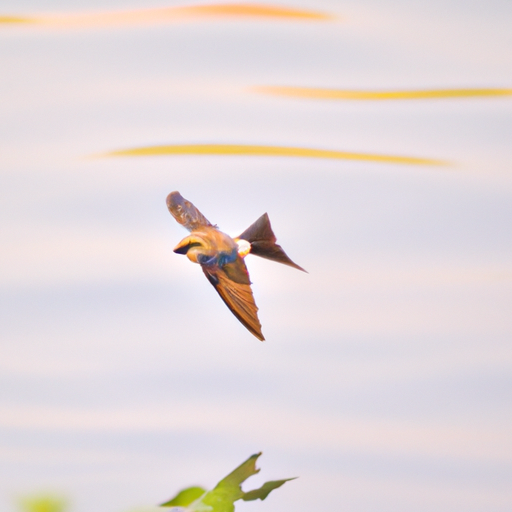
[(227, 491), (185, 497), (264, 490)]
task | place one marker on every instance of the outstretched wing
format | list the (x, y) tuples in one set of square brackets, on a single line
[(185, 212), (233, 285)]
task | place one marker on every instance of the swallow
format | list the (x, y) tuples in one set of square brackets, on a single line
[(222, 257)]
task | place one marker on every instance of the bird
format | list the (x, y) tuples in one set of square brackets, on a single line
[(222, 257)]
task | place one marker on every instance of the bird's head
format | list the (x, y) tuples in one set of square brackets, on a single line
[(193, 246)]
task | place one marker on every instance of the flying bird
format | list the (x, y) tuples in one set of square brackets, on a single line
[(222, 257)]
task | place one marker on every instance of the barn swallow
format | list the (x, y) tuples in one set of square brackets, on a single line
[(222, 257)]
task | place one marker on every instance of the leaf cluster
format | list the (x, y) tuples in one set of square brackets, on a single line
[(223, 496)]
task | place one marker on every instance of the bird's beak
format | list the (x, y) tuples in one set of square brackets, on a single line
[(184, 246)]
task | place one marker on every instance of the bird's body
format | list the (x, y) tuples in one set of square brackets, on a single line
[(222, 257)]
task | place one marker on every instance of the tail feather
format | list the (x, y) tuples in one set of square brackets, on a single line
[(263, 242)]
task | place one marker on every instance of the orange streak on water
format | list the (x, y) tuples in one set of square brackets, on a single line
[(166, 14), (15, 19), (283, 151), (340, 94), (253, 10)]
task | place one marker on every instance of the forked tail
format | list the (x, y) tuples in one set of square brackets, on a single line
[(263, 242)]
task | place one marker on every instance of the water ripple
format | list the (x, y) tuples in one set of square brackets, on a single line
[(257, 150), (342, 94), (167, 14)]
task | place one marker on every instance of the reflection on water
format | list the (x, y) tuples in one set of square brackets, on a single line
[(165, 14), (16, 19), (340, 94), (254, 150)]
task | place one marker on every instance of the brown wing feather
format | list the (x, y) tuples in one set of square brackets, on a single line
[(185, 212), (236, 294)]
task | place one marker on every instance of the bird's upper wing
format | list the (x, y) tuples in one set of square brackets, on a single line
[(233, 285), (186, 213)]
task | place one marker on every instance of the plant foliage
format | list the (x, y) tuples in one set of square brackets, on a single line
[(226, 492)]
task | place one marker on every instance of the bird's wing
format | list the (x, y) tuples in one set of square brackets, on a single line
[(233, 285), (186, 213)]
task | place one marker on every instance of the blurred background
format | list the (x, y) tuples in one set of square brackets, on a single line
[(385, 382)]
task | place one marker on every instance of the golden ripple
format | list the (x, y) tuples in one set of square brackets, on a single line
[(166, 14), (15, 19), (254, 150), (341, 94)]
